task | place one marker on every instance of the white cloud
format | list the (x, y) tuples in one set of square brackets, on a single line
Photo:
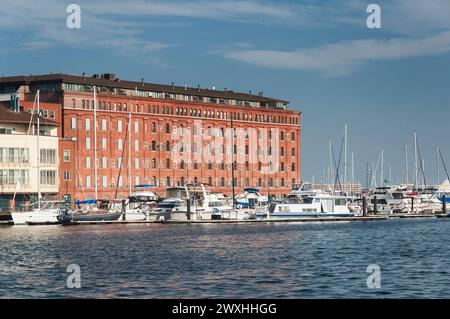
[(345, 57)]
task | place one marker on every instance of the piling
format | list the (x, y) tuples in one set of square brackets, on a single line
[(444, 205), (364, 208), (124, 210), (412, 205), (375, 205), (188, 205)]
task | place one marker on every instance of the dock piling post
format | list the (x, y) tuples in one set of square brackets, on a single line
[(188, 205), (444, 205), (375, 205), (364, 203), (412, 205), (124, 210)]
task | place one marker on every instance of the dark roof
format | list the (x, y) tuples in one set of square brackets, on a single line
[(8, 116), (117, 83)]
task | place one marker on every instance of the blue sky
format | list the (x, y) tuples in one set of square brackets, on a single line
[(320, 55)]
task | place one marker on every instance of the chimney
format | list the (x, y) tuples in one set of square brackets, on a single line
[(109, 76), (15, 105)]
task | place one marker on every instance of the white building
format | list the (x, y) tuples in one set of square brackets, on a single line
[(19, 157)]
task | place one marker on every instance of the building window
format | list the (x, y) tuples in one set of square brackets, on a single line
[(88, 124), (74, 105), (153, 145), (104, 162), (153, 127), (136, 127), (167, 128), (168, 146), (136, 163), (293, 136), (66, 175), (73, 123), (119, 144), (136, 145), (48, 177), (88, 162), (137, 180), (119, 126), (293, 152), (167, 163), (119, 162), (104, 125), (104, 181), (120, 181), (104, 143), (293, 167), (153, 163), (66, 156), (52, 114), (88, 143), (48, 156)]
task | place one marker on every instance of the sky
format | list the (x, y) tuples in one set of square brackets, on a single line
[(320, 55)]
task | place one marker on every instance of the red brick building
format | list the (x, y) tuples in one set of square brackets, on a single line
[(176, 135)]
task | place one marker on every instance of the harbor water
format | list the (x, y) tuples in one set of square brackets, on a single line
[(261, 260)]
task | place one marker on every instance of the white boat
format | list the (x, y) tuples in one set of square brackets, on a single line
[(251, 198), (40, 215), (140, 204), (319, 205), (205, 205)]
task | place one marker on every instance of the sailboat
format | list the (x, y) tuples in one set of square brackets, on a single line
[(100, 210), (40, 215)]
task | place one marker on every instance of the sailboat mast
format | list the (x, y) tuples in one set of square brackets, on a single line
[(331, 162), (232, 161), (382, 169), (38, 150), (95, 143), (438, 168), (416, 167), (345, 154), (406, 165), (129, 153)]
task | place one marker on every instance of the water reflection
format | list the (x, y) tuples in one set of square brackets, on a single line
[(227, 261)]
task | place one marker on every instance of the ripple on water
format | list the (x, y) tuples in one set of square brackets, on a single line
[(228, 261)]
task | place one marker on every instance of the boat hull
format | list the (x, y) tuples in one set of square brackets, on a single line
[(305, 215), (35, 218)]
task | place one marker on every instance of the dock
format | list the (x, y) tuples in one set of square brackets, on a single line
[(234, 221)]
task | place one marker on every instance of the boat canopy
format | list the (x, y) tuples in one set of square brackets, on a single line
[(86, 202), (251, 190), (144, 186)]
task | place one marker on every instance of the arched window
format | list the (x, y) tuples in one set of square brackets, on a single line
[(167, 128), (210, 181), (167, 163), (154, 163), (182, 165)]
